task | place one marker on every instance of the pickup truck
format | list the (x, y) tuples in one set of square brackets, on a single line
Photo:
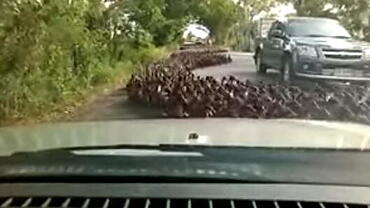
[(314, 48)]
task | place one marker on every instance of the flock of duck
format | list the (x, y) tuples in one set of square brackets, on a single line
[(171, 85)]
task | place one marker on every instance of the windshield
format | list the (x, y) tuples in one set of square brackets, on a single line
[(99, 73), (317, 28)]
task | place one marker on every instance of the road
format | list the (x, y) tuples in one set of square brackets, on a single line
[(242, 67), (116, 106)]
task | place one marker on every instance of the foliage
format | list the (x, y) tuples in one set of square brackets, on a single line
[(354, 14), (53, 51), (218, 15), (44, 57), (163, 19), (240, 36)]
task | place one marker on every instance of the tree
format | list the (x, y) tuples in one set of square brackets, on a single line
[(242, 34), (163, 19), (218, 15), (354, 14)]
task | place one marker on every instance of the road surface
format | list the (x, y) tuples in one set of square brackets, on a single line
[(116, 106), (242, 67)]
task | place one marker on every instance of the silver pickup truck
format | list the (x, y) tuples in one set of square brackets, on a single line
[(315, 48)]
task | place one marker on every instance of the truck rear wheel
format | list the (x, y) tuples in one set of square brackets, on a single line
[(286, 75), (261, 68)]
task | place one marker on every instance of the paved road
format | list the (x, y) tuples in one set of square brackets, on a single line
[(115, 106), (242, 68)]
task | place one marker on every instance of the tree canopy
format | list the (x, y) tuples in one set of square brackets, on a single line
[(52, 50), (354, 14)]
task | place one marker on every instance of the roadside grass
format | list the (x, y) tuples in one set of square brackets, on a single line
[(39, 98)]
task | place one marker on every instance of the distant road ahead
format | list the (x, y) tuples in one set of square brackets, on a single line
[(242, 68)]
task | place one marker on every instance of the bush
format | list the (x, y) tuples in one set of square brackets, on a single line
[(55, 51)]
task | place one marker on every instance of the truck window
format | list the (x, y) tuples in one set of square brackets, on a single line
[(317, 28)]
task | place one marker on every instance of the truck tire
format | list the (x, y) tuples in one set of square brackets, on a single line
[(287, 74), (261, 68)]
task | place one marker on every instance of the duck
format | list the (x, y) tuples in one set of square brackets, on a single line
[(171, 85)]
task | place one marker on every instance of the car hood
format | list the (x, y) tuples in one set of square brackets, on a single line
[(223, 132), (334, 43)]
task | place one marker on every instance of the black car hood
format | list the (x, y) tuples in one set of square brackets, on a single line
[(334, 43)]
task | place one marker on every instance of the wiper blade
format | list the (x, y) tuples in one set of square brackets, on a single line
[(122, 150), (134, 152), (326, 36), (315, 35), (123, 179), (341, 36)]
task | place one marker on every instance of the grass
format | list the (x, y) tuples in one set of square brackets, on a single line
[(68, 103)]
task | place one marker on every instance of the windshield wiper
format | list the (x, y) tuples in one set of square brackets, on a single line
[(327, 36), (315, 35), (135, 152), (70, 178), (341, 36)]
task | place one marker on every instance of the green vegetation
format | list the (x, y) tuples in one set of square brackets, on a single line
[(240, 36), (54, 53), (354, 14)]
